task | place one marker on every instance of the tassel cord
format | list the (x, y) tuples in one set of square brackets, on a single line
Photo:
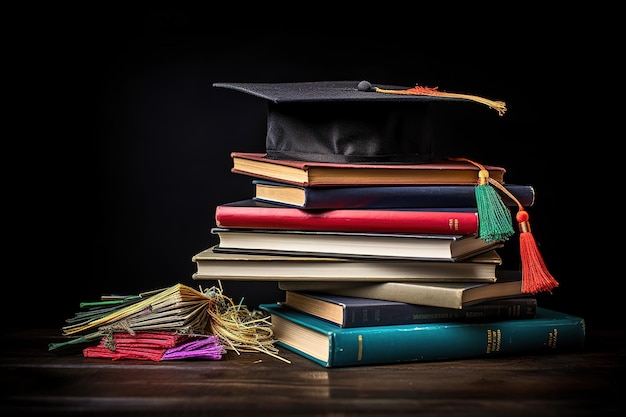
[(505, 191), (499, 106)]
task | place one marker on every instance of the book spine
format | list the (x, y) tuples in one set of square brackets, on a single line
[(383, 221), (406, 197), (506, 309)]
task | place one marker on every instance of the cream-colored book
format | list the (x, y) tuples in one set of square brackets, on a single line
[(213, 265), (439, 294), (414, 246)]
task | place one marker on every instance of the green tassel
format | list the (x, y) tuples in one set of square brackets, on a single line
[(494, 217)]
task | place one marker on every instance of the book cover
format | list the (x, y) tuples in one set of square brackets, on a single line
[(319, 174), (382, 196), (332, 346), (442, 247), (457, 295), (347, 311), (252, 214), (211, 265)]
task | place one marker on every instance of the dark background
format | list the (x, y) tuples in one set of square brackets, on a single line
[(120, 147)]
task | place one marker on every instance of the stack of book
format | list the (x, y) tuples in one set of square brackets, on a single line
[(385, 252), (380, 263)]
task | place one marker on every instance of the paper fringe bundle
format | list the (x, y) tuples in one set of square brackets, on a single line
[(175, 312), (202, 347), (177, 308), (156, 346)]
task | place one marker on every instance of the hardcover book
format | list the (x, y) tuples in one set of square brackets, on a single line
[(442, 247), (359, 312), (457, 295), (252, 214), (382, 196), (213, 265), (332, 346), (319, 174)]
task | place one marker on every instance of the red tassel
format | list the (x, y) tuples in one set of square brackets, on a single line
[(535, 275)]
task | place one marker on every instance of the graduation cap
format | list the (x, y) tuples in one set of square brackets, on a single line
[(358, 122), (351, 121)]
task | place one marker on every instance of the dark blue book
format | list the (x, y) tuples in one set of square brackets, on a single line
[(393, 196), (332, 346), (345, 311)]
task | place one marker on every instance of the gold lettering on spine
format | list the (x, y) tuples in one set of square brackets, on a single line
[(494, 341), (453, 224), (552, 338), (360, 351), (499, 339)]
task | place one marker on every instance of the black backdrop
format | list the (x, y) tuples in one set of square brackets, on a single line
[(126, 143)]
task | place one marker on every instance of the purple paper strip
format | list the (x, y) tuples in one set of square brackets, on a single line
[(206, 347)]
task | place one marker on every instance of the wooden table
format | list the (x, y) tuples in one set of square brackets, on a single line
[(36, 381)]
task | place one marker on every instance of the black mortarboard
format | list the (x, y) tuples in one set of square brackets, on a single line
[(350, 121)]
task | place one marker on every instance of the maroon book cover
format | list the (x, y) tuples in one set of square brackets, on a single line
[(310, 173)]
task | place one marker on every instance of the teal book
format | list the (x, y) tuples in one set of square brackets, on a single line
[(333, 346)]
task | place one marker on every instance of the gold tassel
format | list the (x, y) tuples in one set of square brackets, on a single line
[(499, 106)]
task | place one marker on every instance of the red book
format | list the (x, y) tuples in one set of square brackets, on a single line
[(253, 214)]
